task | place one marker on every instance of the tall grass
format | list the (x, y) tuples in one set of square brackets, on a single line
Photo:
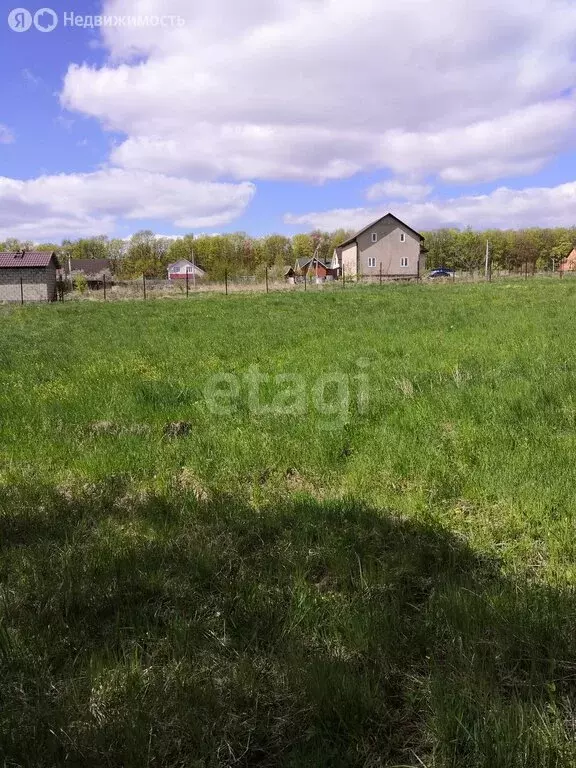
[(260, 590)]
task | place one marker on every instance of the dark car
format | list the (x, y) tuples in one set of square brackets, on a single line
[(441, 272)]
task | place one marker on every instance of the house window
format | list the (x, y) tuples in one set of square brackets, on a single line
[(189, 270), (374, 237), (402, 237), (372, 261), (404, 261)]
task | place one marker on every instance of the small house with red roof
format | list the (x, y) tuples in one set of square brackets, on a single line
[(185, 270), (28, 276)]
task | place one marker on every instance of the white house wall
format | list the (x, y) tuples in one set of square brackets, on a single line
[(350, 260)]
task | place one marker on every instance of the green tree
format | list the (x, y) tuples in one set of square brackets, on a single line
[(471, 250), (182, 248), (442, 248), (47, 247), (117, 249), (277, 251), (87, 248), (147, 255), (322, 241), (12, 245), (302, 247)]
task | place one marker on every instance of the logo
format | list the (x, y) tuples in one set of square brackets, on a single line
[(20, 20), (45, 20)]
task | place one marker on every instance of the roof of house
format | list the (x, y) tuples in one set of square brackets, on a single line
[(388, 215), (90, 266), (187, 263), (301, 263), (27, 259)]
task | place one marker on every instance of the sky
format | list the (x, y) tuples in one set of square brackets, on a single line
[(285, 115)]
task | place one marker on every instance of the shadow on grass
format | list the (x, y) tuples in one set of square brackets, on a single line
[(157, 631)]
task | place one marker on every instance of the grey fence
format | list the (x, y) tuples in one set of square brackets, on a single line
[(146, 288)]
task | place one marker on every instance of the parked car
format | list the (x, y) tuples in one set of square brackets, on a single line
[(441, 272)]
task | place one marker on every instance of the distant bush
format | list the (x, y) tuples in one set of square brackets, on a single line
[(80, 284)]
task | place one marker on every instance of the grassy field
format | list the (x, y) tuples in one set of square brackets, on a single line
[(368, 562)]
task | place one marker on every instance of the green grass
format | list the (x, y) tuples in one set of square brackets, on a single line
[(387, 585)]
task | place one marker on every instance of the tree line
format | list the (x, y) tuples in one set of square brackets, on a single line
[(238, 254), (510, 250)]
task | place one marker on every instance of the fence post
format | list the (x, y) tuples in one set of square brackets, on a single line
[(226, 280), (343, 277), (305, 281), (104, 287), (187, 283), (380, 273), (144, 284), (21, 292), (266, 278)]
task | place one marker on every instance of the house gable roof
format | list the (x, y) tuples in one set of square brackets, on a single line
[(301, 263), (28, 259), (186, 263), (373, 224)]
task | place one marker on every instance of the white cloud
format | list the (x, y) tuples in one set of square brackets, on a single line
[(398, 190), (6, 135), (504, 208), (245, 151), (514, 143), (92, 203), (316, 90), (430, 91)]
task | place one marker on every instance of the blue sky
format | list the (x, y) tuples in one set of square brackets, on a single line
[(48, 139), (295, 114)]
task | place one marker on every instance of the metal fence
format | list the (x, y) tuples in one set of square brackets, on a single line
[(146, 288)]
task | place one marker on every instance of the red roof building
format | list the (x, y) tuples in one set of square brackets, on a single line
[(28, 276)]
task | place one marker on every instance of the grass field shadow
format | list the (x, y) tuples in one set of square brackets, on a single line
[(140, 629)]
